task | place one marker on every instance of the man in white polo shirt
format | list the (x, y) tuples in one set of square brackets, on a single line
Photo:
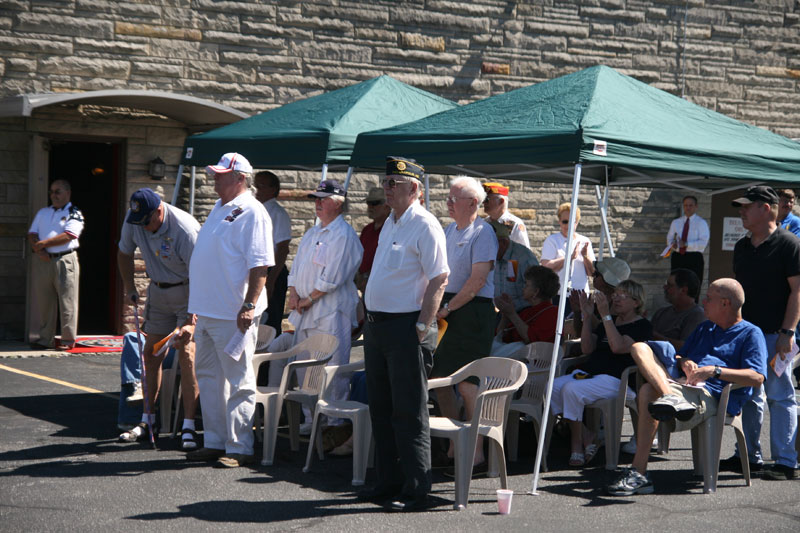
[(403, 293), (227, 274), (54, 239), (496, 207)]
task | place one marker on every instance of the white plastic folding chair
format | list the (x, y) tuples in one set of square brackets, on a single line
[(314, 352), (499, 379), (613, 410), (707, 441), (356, 412), (532, 396)]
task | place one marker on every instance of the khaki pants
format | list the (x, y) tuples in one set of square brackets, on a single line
[(55, 284)]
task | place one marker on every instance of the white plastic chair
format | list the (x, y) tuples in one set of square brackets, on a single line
[(266, 334), (320, 349), (531, 399), (707, 441), (357, 412), (613, 410), (499, 379)]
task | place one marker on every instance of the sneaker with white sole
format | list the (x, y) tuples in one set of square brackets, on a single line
[(630, 446), (630, 482), (137, 395), (671, 406)]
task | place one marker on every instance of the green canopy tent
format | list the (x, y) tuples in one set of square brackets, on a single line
[(315, 132), (596, 123)]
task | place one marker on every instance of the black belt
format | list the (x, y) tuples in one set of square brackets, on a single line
[(375, 316), (450, 295), (60, 254), (168, 285)]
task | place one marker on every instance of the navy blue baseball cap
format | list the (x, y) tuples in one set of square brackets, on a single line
[(328, 188), (143, 202)]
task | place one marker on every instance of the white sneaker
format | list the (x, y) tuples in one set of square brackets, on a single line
[(137, 395)]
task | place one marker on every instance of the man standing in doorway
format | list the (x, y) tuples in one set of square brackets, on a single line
[(767, 264), (165, 235), (404, 290), (53, 236), (688, 235), (227, 275)]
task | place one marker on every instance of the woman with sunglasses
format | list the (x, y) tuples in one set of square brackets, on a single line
[(554, 252), (609, 345)]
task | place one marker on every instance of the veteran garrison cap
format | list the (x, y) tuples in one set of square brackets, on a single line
[(400, 166), (495, 188)]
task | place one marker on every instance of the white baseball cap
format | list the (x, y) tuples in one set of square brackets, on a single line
[(229, 162)]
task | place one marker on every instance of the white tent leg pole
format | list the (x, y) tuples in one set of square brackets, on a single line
[(347, 179), (191, 192), (324, 172), (177, 185), (562, 300), (605, 234), (427, 192)]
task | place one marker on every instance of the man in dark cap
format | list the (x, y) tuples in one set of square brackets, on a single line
[(767, 264), (404, 290), (165, 235), (322, 293)]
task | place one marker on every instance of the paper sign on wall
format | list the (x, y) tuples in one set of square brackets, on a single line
[(732, 231)]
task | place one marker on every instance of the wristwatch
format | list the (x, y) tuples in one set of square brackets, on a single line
[(447, 306), (717, 371), (785, 331), (421, 327), (608, 317), (248, 306)]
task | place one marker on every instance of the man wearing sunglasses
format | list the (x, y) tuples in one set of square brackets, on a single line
[(165, 235), (54, 239), (377, 211), (404, 290)]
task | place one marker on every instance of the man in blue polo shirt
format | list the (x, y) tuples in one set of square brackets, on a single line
[(725, 348)]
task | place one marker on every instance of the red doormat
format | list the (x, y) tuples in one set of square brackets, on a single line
[(97, 344)]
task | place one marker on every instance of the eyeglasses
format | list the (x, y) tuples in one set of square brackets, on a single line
[(565, 221), (454, 199), (392, 182), (374, 203), (56, 191), (785, 200), (620, 296)]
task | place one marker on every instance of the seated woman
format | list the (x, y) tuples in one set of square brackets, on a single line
[(536, 323), (609, 346)]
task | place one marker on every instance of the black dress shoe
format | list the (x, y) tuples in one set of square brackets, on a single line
[(777, 472), (379, 493), (409, 504), (734, 464)]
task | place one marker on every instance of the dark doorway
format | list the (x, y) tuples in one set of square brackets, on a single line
[(92, 169)]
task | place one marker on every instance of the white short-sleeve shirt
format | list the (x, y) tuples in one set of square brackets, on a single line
[(698, 236), (555, 247), (411, 251), (50, 222), (475, 243), (281, 223), (235, 238), (518, 233)]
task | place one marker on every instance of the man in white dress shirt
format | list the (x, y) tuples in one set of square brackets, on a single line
[(403, 293), (496, 207), (227, 274), (322, 291), (688, 236), (54, 239)]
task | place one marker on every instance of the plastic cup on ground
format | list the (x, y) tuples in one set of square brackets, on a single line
[(504, 500)]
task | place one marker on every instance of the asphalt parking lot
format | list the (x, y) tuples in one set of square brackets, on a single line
[(61, 469)]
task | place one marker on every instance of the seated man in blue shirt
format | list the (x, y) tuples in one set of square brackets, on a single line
[(725, 348)]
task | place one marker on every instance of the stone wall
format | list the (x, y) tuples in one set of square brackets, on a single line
[(738, 57)]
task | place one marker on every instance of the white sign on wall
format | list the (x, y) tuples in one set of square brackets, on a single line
[(732, 231)]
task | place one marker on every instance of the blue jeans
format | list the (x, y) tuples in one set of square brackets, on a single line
[(782, 415), (130, 369)]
